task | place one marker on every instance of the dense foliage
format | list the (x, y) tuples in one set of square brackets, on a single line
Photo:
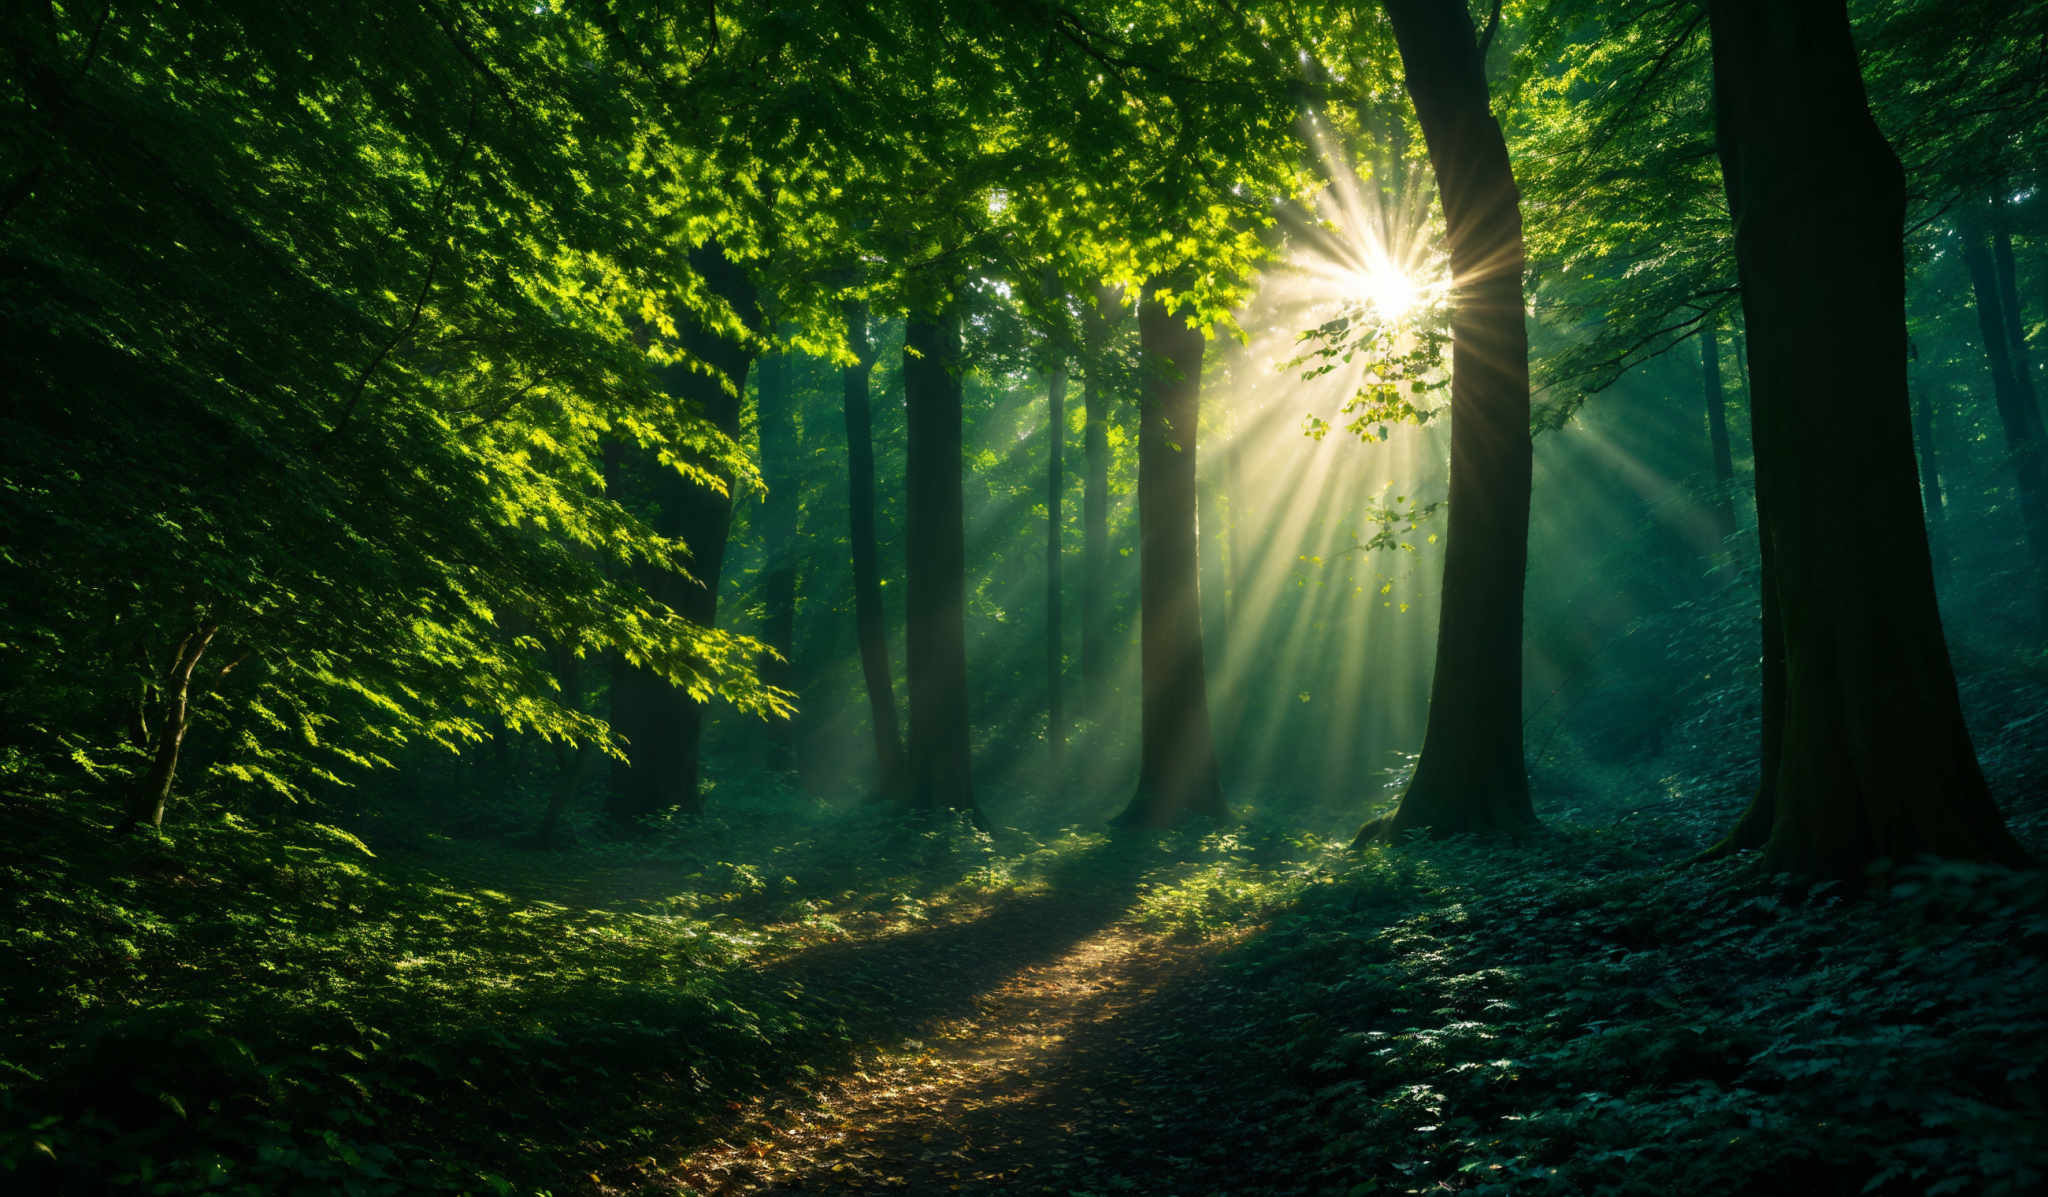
[(423, 424)]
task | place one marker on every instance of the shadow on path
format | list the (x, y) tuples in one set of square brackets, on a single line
[(889, 998), (1095, 1066)]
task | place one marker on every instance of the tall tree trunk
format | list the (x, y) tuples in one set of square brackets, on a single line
[(1177, 756), (1095, 401), (2009, 296), (777, 418), (636, 696), (2024, 439), (941, 770), (1873, 760), (1717, 430), (1055, 632), (663, 723), (1233, 530), (151, 792), (1470, 776), (870, 626)]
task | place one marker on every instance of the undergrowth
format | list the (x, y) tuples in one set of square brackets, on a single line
[(1574, 1016), (245, 1009), (242, 1009), (249, 1010)]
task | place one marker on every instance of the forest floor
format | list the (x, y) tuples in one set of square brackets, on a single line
[(792, 998), (1017, 1094)]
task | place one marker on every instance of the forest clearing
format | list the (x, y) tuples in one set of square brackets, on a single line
[(1068, 597)]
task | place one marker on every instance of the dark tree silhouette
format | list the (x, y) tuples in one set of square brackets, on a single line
[(1866, 756)]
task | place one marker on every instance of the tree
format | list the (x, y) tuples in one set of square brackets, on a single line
[(1177, 756), (352, 322), (1095, 408), (1470, 776), (939, 752), (2013, 392), (776, 420), (152, 791), (1867, 757), (1723, 504), (1055, 594), (870, 627), (665, 724), (1633, 255), (1161, 136), (2008, 288)]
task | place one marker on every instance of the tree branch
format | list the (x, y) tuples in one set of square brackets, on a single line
[(419, 304), (1492, 27)]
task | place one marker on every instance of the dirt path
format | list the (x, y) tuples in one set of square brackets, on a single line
[(1012, 1096)]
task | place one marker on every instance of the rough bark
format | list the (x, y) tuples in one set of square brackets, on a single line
[(663, 724), (870, 626), (1723, 505), (777, 420), (1177, 757), (1470, 776), (1095, 402), (940, 763), (2025, 444), (1055, 631), (1872, 759)]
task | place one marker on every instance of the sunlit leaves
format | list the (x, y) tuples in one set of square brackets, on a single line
[(332, 320), (1404, 355)]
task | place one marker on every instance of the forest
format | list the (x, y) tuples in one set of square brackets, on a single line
[(1075, 597)]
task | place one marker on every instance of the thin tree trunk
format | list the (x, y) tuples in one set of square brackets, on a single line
[(870, 626), (1717, 431), (1873, 760), (1470, 776), (941, 770), (2024, 439), (1931, 502), (1233, 530), (152, 791), (1095, 401), (777, 420), (2009, 297), (663, 723), (1177, 756), (1055, 637)]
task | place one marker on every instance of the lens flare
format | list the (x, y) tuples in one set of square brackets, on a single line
[(1389, 292)]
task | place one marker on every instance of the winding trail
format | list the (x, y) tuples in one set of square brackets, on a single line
[(1062, 1077)]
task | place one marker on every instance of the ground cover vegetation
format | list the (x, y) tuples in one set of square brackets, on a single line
[(1077, 597)]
